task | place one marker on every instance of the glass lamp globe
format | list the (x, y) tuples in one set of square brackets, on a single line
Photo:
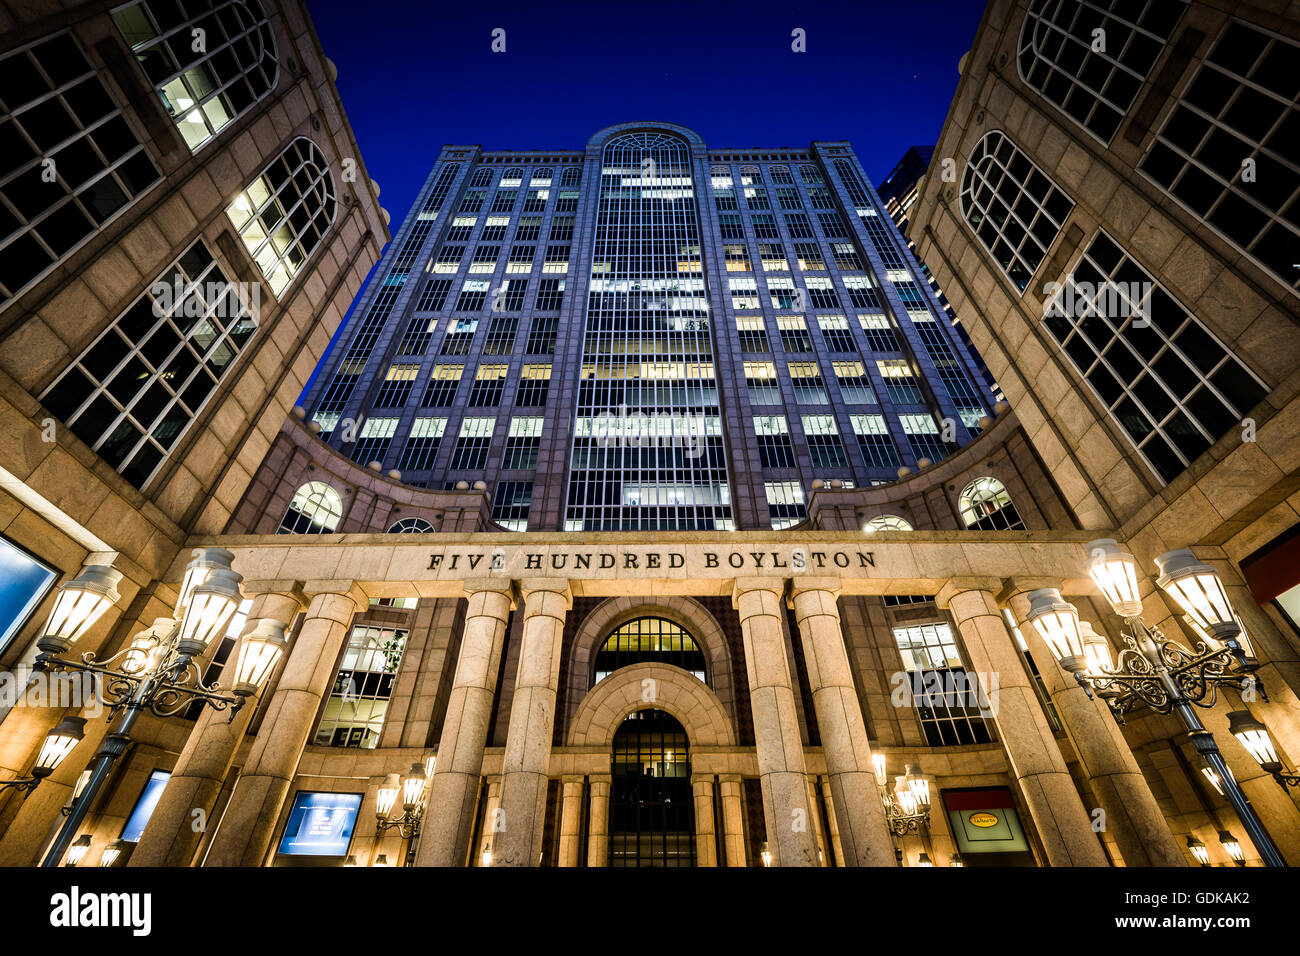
[(78, 604), (1114, 571)]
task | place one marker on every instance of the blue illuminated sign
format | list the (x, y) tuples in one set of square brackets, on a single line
[(320, 824)]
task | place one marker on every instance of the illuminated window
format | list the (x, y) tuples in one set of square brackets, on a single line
[(762, 384), (470, 453), (355, 709), (809, 389), (511, 504), (285, 212), (823, 439), (1012, 207), (315, 509), (372, 444), (887, 523), (946, 696), (422, 441), (985, 506), (855, 386), (534, 386), (203, 90), (785, 503), (523, 440), (774, 448), (411, 526), (444, 380), (877, 447), (649, 640), (397, 386)]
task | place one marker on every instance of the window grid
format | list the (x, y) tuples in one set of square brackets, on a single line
[(315, 508), (944, 692), (356, 706), (511, 504), (422, 443)]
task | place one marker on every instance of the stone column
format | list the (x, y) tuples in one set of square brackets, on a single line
[(860, 816), (491, 801), (733, 819), (532, 721), (1133, 817), (706, 849), (776, 723), (457, 771), (570, 820), (598, 826), (254, 809), (174, 831), (1063, 824), (825, 784)]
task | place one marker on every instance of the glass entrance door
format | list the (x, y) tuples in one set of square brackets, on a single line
[(652, 809)]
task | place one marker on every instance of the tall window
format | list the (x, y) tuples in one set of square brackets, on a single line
[(422, 441), (649, 640), (774, 448), (285, 212), (354, 712), (1173, 387), (651, 809), (1242, 110), (946, 696), (1095, 86), (24, 582), (55, 107), (139, 386), (523, 441), (472, 443), (202, 89), (878, 450), (785, 503), (666, 468), (315, 509), (985, 505), (1012, 207), (511, 504), (823, 440)]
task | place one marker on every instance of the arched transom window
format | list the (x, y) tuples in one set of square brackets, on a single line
[(649, 640), (411, 526), (209, 63), (985, 506), (1012, 207), (315, 509), (285, 211), (887, 523)]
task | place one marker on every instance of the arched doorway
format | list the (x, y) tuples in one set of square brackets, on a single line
[(651, 812)]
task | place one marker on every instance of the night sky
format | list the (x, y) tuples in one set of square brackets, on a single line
[(417, 74)]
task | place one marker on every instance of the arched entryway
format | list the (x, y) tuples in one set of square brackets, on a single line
[(651, 812)]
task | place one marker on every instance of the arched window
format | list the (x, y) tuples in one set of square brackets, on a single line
[(721, 177), (541, 176), (411, 526), (887, 523), (511, 178), (203, 90), (482, 178), (1011, 206), (749, 176), (1094, 84), (651, 811), (985, 506), (781, 175), (811, 176), (315, 509), (571, 177), (285, 211), (649, 639)]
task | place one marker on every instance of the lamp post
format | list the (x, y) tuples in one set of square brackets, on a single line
[(1154, 670), (412, 788), (157, 671), (54, 750), (1254, 736)]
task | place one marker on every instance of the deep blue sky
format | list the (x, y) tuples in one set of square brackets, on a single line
[(417, 74)]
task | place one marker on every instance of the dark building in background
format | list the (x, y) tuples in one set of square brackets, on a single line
[(898, 190)]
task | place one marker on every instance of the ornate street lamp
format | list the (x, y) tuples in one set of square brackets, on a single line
[(1254, 736), (413, 788), (157, 671), (56, 746), (1153, 670), (907, 809), (1198, 850), (924, 860), (956, 860), (111, 853), (1232, 847), (77, 852)]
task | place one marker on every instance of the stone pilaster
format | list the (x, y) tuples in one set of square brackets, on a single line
[(1063, 825), (1133, 817), (254, 809), (598, 825), (456, 773), (776, 723), (863, 834), (532, 721), (733, 819), (175, 830), (570, 820)]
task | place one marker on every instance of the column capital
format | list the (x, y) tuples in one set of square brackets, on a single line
[(505, 586), (343, 587), (802, 585), (1023, 584), (572, 779), (960, 585), (701, 778), (742, 586), (284, 586), (558, 586), (730, 778)]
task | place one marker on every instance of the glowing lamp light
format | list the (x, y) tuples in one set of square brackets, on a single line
[(956, 860), (77, 852), (146, 647), (1096, 650), (878, 764), (1199, 851), (350, 861), (80, 787), (204, 560), (766, 854), (1057, 623), (486, 856), (413, 787), (1196, 588), (918, 786), (209, 610), (1233, 847), (78, 604), (381, 860), (924, 860), (1255, 738), (259, 650), (1114, 571), (903, 794), (387, 796), (111, 853), (1215, 780), (430, 761), (58, 744)]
